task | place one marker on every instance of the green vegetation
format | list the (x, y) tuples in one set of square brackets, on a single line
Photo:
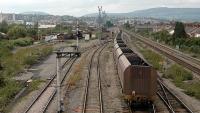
[(4, 27), (34, 85), (22, 42), (8, 92), (127, 25), (98, 34), (179, 38), (153, 58), (108, 24), (189, 44), (17, 31), (178, 73), (179, 31), (192, 89), (62, 28), (182, 78), (162, 36), (14, 63)]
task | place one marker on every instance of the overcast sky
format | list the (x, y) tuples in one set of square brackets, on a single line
[(82, 7)]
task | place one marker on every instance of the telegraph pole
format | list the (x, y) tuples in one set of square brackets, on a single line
[(58, 61), (1, 17), (77, 37), (100, 21), (62, 54)]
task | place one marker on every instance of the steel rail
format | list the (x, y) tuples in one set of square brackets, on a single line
[(182, 59), (176, 98), (88, 84), (45, 88)]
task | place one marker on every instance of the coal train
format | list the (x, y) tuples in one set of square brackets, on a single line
[(137, 77)]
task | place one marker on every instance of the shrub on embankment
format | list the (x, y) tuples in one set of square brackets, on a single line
[(15, 63), (153, 58), (184, 79)]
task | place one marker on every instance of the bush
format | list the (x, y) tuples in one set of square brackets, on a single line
[(195, 49), (4, 52), (14, 64), (5, 44), (192, 89), (34, 85), (8, 92), (23, 42), (2, 81), (155, 59), (17, 31), (178, 73)]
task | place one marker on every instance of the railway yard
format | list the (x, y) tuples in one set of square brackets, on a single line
[(110, 76), (59, 56)]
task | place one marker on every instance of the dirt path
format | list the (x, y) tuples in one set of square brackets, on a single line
[(112, 96)]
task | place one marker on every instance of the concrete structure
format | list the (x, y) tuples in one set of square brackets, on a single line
[(13, 18), (46, 26), (30, 23), (1, 17)]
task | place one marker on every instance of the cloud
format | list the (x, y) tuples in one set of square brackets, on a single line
[(81, 7)]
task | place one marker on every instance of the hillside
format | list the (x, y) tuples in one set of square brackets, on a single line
[(184, 14), (34, 13)]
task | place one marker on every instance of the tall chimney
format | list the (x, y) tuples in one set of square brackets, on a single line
[(1, 17), (13, 16)]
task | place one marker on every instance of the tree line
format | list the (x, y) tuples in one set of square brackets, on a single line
[(15, 31)]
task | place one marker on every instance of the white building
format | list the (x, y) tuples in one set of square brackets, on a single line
[(46, 26), (50, 38), (30, 23)]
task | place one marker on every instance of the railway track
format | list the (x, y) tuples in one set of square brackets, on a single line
[(41, 102), (191, 63), (91, 102), (84, 50), (172, 102)]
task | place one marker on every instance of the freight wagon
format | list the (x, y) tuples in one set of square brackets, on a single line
[(137, 77)]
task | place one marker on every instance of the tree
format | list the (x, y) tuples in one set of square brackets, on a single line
[(179, 31), (17, 31), (31, 32), (4, 27), (2, 80), (127, 24), (109, 24), (1, 36)]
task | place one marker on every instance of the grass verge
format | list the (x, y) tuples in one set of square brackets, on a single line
[(153, 58), (184, 79), (14, 63), (34, 85)]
